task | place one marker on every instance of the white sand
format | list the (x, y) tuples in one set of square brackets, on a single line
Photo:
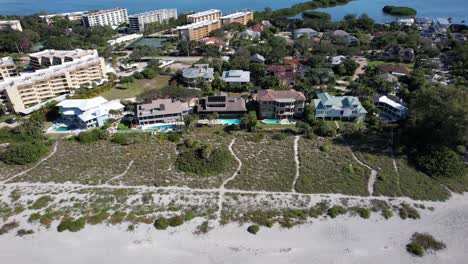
[(341, 240)]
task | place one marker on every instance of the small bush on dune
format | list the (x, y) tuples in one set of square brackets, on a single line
[(407, 211), (336, 210), (387, 213), (176, 221), (8, 227), (161, 223), (424, 242), (415, 249), (364, 212), (24, 232), (253, 229), (71, 224), (93, 135), (24, 152)]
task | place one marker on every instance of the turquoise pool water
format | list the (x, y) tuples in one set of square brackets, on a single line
[(228, 121), (163, 127), (271, 121), (62, 129)]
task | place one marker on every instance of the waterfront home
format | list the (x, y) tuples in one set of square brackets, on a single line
[(284, 73), (236, 77), (341, 34), (307, 32), (338, 107), (87, 113), (391, 107), (282, 104), (11, 25), (257, 58), (224, 105), (161, 111), (337, 60), (203, 71), (391, 79)]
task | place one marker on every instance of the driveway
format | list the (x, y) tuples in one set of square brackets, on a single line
[(362, 61)]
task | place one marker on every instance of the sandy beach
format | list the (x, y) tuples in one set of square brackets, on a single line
[(346, 239)]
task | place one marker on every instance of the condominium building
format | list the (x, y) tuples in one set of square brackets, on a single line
[(72, 16), (137, 22), (282, 104), (212, 14), (242, 17), (7, 68), (32, 89), (10, 24), (47, 58), (198, 30), (109, 17), (161, 111)]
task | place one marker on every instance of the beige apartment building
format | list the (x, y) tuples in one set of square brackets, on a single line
[(47, 58), (30, 89), (197, 31), (239, 17), (7, 68), (10, 24), (212, 14)]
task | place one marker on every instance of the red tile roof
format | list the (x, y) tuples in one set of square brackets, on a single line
[(279, 68), (258, 28)]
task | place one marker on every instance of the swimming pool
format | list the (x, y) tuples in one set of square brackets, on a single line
[(163, 127), (62, 129), (228, 121), (271, 121)]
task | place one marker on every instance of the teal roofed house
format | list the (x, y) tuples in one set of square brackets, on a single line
[(339, 107)]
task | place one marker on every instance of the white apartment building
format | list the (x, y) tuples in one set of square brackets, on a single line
[(72, 16), (212, 14), (109, 17), (47, 58), (7, 68), (137, 22), (10, 24), (31, 89)]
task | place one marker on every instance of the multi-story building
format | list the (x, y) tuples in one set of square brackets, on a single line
[(87, 113), (137, 22), (47, 58), (72, 16), (212, 14), (283, 104), (7, 68), (31, 89), (338, 107), (391, 107), (161, 111), (242, 17), (109, 17), (222, 104), (203, 71), (10, 24), (198, 30)]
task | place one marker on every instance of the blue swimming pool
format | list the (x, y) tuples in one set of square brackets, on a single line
[(62, 129), (271, 121), (228, 121), (163, 127)]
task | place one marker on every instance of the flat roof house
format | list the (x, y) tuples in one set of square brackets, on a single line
[(236, 76), (391, 107), (204, 71), (161, 111), (226, 106), (11, 24), (280, 104), (87, 113), (257, 58), (338, 107)]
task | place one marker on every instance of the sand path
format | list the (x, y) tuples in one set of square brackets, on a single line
[(296, 159)]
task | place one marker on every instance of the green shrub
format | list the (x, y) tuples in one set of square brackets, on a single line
[(24, 232), (98, 218), (93, 135), (40, 203), (203, 159), (176, 221), (428, 242), (131, 228), (407, 211), (257, 137), (121, 139), (189, 215), (325, 147), (24, 152), (279, 136), (117, 217), (387, 213), (364, 213), (34, 217), (253, 229), (336, 210), (71, 225), (316, 15), (415, 249), (399, 10), (8, 227), (161, 223)]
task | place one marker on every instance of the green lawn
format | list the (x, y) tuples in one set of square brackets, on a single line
[(3, 118), (130, 90), (378, 63)]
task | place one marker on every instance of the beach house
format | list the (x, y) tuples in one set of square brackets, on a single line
[(338, 107)]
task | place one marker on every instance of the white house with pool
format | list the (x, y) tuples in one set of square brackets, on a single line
[(86, 113)]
